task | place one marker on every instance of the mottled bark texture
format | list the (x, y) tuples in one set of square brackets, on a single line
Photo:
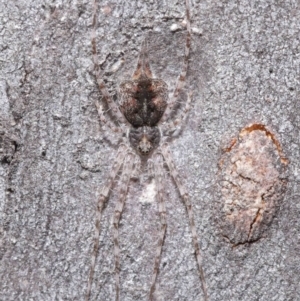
[(54, 154)]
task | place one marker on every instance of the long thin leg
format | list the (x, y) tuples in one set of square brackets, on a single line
[(158, 170), (185, 197), (102, 199), (182, 76), (173, 128), (111, 104), (126, 175), (106, 124)]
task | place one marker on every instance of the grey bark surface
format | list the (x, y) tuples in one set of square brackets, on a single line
[(244, 68)]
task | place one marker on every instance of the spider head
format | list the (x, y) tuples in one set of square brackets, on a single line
[(144, 139)]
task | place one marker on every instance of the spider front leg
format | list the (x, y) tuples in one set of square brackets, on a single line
[(125, 178), (106, 124), (158, 174), (181, 80), (173, 127), (106, 96), (102, 199), (185, 197)]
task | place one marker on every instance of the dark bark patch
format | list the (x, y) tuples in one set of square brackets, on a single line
[(8, 147)]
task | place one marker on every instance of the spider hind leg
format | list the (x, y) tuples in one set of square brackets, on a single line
[(104, 195), (186, 200), (128, 168), (158, 175)]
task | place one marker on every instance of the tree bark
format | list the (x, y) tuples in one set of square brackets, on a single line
[(55, 156)]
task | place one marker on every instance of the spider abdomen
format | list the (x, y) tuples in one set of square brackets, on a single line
[(144, 139)]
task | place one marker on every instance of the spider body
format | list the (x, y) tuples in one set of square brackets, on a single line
[(143, 102), (146, 111)]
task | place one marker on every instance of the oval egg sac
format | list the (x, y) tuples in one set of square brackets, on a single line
[(252, 180)]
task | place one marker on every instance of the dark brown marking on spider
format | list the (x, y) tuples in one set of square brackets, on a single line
[(143, 102), (253, 183)]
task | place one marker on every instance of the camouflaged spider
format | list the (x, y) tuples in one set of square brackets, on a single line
[(145, 110)]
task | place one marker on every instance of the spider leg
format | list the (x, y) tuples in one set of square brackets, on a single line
[(185, 197), (106, 124), (126, 175), (102, 199), (173, 128), (111, 104), (137, 167), (158, 174), (182, 76)]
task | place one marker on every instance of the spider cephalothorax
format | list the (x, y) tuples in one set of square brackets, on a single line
[(143, 101)]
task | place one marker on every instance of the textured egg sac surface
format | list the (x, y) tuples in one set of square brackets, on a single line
[(252, 184)]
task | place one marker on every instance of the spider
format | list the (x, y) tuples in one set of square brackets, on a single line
[(146, 112)]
